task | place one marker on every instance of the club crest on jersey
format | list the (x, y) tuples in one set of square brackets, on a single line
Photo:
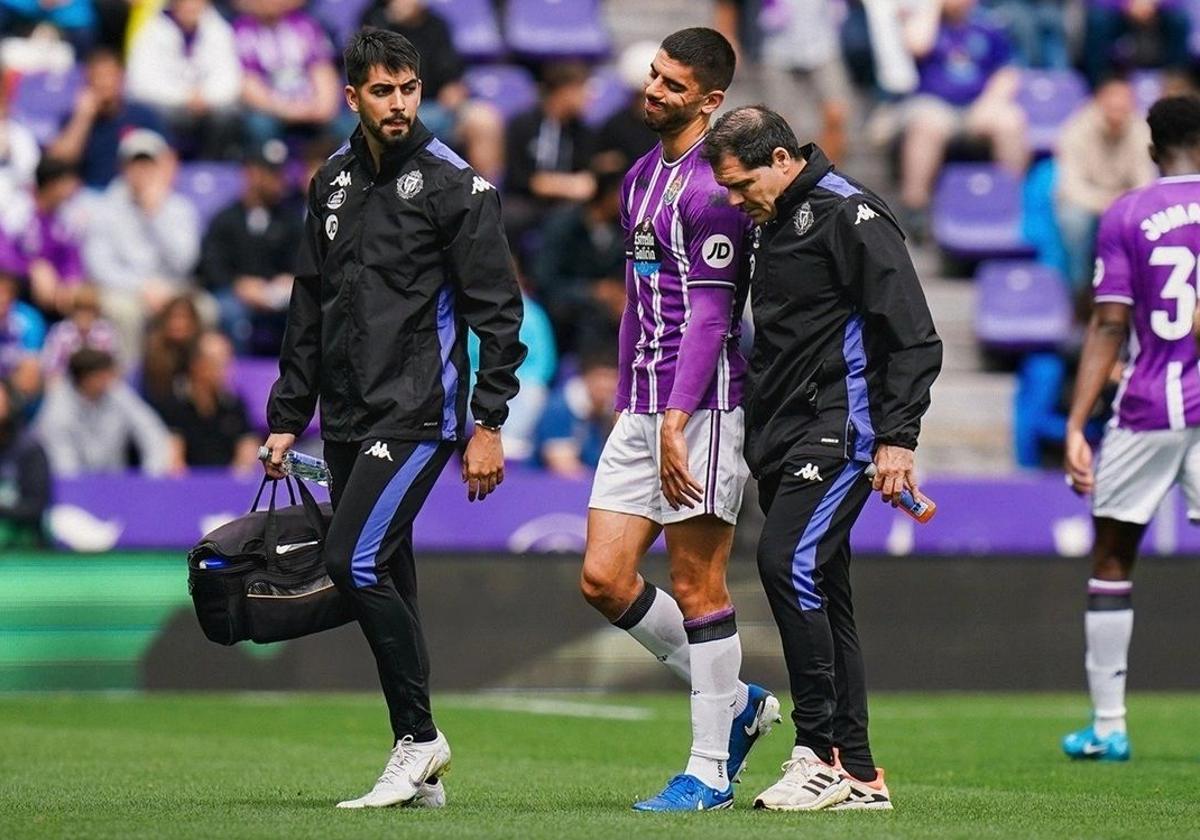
[(336, 200), (673, 190), (411, 184), (803, 220), (646, 259), (342, 180), (331, 226)]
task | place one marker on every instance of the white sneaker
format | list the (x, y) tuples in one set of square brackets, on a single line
[(432, 794), (409, 768), (808, 784), (866, 796)]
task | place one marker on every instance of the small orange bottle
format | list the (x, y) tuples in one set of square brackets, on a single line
[(921, 510)]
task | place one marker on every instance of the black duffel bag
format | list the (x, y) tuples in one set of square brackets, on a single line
[(262, 577)]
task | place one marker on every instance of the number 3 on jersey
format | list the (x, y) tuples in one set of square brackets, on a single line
[(1180, 287)]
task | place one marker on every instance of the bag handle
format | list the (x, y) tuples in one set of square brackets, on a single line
[(262, 485)]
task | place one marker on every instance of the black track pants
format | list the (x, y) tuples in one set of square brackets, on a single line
[(804, 563), (378, 488)]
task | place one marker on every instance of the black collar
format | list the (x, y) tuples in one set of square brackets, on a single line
[(393, 159), (817, 166)]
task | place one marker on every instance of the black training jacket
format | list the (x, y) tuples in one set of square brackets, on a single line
[(844, 346), (393, 268)]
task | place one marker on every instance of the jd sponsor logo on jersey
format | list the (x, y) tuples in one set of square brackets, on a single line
[(646, 260), (342, 180), (331, 226), (379, 449), (717, 251), (865, 214), (336, 200), (411, 184), (480, 185), (809, 472), (803, 220)]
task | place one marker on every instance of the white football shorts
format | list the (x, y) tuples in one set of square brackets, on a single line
[(1136, 470), (627, 477)]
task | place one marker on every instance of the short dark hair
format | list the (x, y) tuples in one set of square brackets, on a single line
[(707, 52), (51, 169), (371, 47), (100, 54), (1175, 122), (750, 134), (88, 360), (562, 74)]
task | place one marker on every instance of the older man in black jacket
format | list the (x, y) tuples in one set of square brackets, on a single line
[(844, 356), (403, 251)]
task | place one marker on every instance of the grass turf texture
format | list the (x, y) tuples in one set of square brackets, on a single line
[(209, 766)]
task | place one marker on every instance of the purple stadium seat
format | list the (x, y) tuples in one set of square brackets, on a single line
[(1194, 9), (508, 87), (210, 186), (473, 26), (607, 94), (1147, 88), (977, 212), (543, 29), (1021, 306), (341, 18), (1048, 98), (43, 101)]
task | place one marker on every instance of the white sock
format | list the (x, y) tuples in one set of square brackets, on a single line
[(655, 620), (1108, 631), (716, 659)]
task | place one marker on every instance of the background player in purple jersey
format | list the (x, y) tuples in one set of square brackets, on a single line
[(1146, 278), (674, 459)]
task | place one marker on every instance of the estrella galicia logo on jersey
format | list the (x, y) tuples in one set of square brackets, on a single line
[(331, 226), (673, 190), (1098, 274), (803, 220), (646, 260), (480, 185), (379, 449), (336, 200), (717, 251), (410, 184), (342, 180), (865, 214)]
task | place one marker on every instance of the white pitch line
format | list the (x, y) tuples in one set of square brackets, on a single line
[(541, 706)]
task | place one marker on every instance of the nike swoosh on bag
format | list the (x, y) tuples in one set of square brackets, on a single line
[(288, 549)]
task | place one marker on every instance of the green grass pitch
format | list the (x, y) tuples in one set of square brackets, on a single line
[(561, 766)]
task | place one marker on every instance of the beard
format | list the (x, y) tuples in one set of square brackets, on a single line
[(668, 120), (379, 130)]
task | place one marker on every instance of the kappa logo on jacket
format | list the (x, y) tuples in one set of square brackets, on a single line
[(342, 179), (479, 185), (379, 449), (865, 214)]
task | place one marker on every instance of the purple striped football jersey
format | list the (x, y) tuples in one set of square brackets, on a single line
[(1148, 256), (681, 235)]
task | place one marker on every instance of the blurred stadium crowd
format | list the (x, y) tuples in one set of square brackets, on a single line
[(153, 158)]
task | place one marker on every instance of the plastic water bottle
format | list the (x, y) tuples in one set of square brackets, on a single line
[(920, 510), (299, 465)]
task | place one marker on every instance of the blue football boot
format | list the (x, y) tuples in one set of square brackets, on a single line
[(687, 793), (1086, 744), (757, 719)]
